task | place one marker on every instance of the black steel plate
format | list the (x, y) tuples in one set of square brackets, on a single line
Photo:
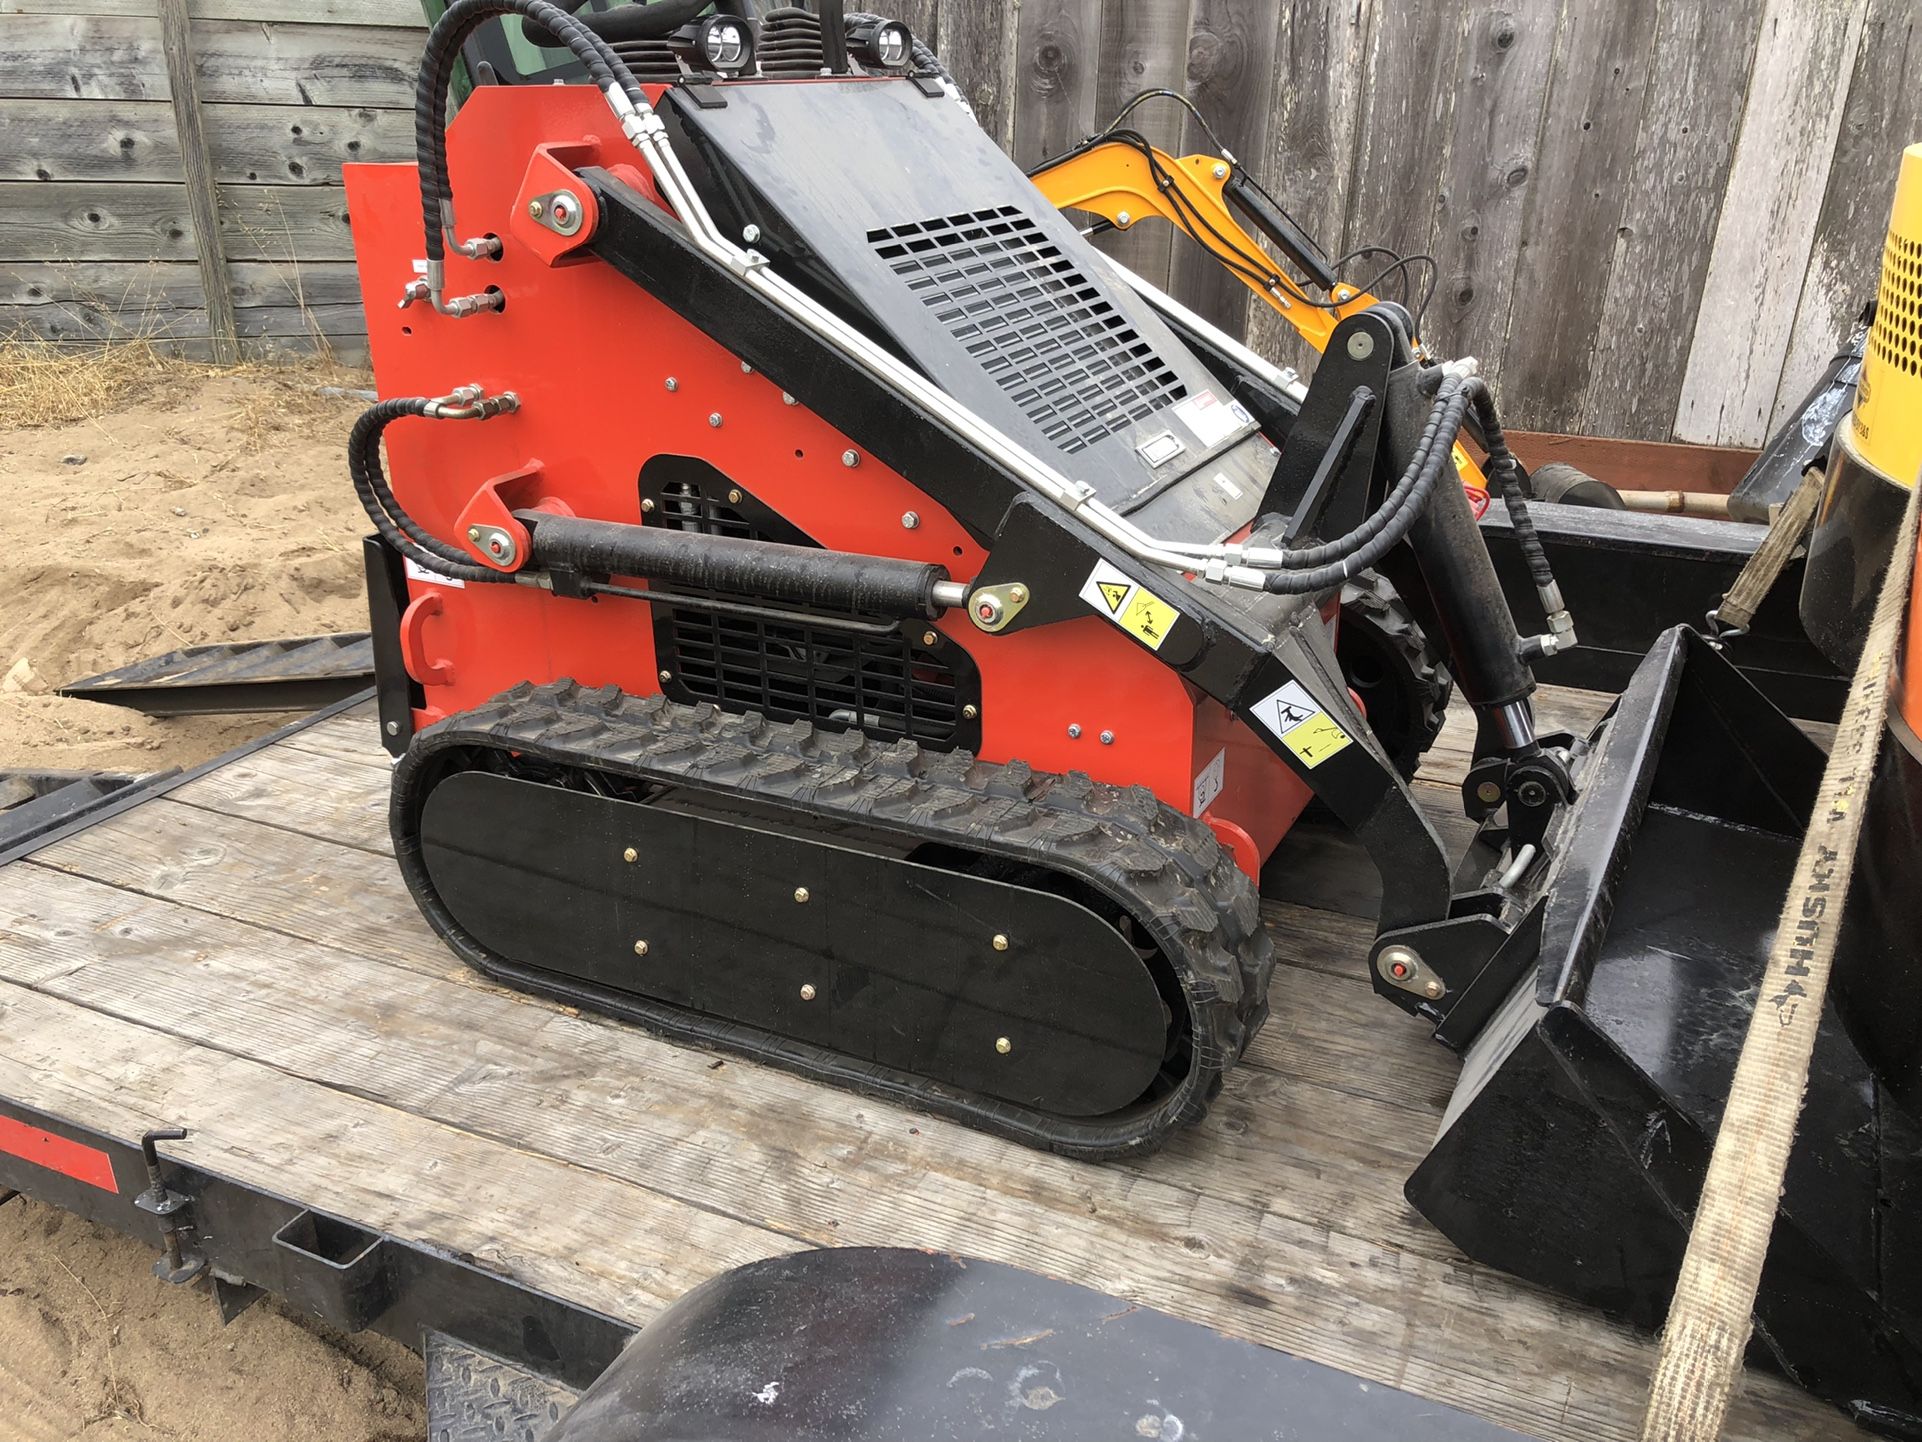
[(900, 955)]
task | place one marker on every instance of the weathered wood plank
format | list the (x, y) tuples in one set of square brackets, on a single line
[(1674, 192), (1797, 88), (1309, 163), (115, 220), (1058, 48), (247, 144), (1883, 112), (165, 286), (1600, 86), (1639, 465), (1231, 61), (977, 44), (1502, 71), (836, 1169), (923, 17), (106, 57), (404, 14), (614, 1245), (1407, 109), (177, 47), (1144, 46), (86, 323)]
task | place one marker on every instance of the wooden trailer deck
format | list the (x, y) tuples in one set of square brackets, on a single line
[(238, 956)]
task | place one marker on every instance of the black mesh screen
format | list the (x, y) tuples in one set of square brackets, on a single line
[(1033, 320), (888, 685)]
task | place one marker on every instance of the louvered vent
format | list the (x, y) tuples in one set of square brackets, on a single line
[(790, 42), (652, 61), (886, 685), (1033, 320), (1897, 333)]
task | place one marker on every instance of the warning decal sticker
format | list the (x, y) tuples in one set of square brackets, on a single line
[(1135, 609), (1304, 728), (1208, 782)]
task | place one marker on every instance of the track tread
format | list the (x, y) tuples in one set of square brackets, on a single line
[(1164, 867)]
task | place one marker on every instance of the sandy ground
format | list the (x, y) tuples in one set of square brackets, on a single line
[(211, 509), (215, 510)]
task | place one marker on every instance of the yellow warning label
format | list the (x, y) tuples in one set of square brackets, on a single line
[(1132, 607), (1149, 617), (1316, 739)]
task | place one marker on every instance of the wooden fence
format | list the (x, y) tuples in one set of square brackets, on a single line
[(1651, 218)]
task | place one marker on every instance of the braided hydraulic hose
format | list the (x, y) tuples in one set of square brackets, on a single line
[(390, 518), (604, 68), (1316, 568)]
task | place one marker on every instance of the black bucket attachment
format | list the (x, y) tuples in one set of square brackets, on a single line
[(1574, 1148)]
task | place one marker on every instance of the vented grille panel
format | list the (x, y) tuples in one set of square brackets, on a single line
[(885, 685), (686, 507), (882, 685), (1033, 320), (1897, 333)]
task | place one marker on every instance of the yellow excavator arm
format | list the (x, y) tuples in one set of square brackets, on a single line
[(1123, 181)]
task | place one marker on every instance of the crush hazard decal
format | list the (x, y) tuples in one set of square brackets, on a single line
[(1135, 609), (1304, 728)]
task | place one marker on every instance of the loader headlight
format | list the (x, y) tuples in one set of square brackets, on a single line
[(721, 43), (886, 45)]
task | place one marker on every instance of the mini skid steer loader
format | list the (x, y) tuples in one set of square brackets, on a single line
[(826, 610)]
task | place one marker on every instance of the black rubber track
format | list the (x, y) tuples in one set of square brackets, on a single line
[(1164, 868)]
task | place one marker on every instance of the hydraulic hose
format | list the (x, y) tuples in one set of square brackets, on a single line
[(390, 518), (1508, 475), (1316, 568), (604, 68)]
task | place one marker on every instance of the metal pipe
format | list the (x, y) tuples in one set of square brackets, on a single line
[(1515, 724)]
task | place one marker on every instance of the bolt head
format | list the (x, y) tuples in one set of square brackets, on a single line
[(801, 894), (1361, 345), (714, 419), (1000, 942), (473, 533), (673, 383), (734, 498), (1003, 1045), (850, 458), (750, 234), (928, 638), (1123, 219), (536, 209), (647, 507), (909, 520), (392, 728), (640, 948), (1074, 730), (1107, 738), (970, 711), (1432, 990), (1531, 793), (1489, 792), (807, 991), (1017, 593), (788, 400), (1221, 172), (666, 676), (746, 369), (630, 855)]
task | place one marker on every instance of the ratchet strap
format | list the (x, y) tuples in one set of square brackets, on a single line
[(1732, 617), (1711, 1315)]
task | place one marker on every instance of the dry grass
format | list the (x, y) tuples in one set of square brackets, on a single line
[(47, 384)]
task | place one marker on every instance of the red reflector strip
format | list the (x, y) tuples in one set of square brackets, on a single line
[(57, 1154)]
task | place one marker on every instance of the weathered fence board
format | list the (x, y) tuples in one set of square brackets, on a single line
[(1651, 218), (114, 220), (1796, 95), (116, 57), (1674, 192), (248, 144)]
